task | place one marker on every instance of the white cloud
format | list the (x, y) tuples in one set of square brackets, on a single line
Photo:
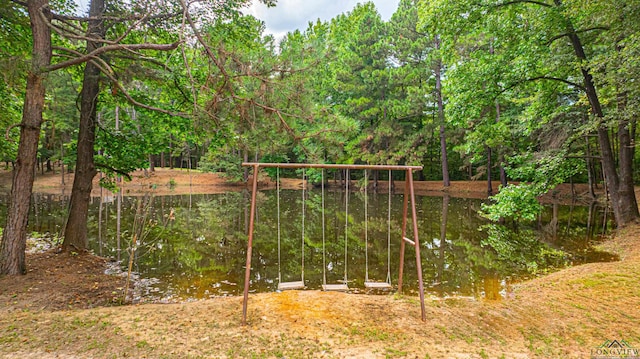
[(289, 15)]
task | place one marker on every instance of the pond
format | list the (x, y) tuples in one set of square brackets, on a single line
[(194, 246)]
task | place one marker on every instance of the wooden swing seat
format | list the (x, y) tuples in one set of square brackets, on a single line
[(291, 285), (335, 287), (377, 285)]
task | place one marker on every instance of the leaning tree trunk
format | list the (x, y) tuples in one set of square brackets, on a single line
[(75, 233), (620, 186), (14, 236)]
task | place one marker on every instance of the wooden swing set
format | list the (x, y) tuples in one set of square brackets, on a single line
[(409, 196)]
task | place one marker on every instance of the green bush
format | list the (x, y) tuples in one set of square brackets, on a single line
[(516, 202)]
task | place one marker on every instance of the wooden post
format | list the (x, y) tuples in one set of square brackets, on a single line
[(252, 215), (414, 217), (405, 207)]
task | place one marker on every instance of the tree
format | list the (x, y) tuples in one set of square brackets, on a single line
[(14, 236), (43, 21), (411, 103), (360, 80), (530, 59), (75, 231), (618, 174)]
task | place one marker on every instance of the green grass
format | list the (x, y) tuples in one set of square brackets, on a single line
[(394, 353)]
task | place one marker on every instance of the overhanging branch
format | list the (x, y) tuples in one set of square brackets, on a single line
[(567, 34), (108, 72), (110, 18), (108, 48), (550, 78), (533, 2)]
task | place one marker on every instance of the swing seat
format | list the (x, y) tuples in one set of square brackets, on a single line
[(335, 287), (291, 285), (377, 285)]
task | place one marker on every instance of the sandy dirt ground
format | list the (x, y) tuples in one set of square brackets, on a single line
[(67, 307)]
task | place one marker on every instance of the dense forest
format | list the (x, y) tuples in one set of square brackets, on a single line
[(529, 92)]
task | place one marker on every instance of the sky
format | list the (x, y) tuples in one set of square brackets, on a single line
[(290, 15)]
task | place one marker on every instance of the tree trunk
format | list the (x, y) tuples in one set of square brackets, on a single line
[(443, 139), (489, 186), (170, 152), (245, 158), (152, 164), (14, 237), (590, 171), (503, 173), (62, 163), (621, 190), (628, 206), (75, 233)]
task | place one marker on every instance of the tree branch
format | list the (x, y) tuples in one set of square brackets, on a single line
[(6, 134), (108, 72), (133, 101), (110, 18), (145, 59), (279, 113), (581, 87), (566, 34), (109, 168), (541, 3), (201, 40), (21, 3), (108, 48), (76, 32)]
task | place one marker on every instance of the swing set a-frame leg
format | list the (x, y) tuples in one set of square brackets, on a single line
[(409, 194)]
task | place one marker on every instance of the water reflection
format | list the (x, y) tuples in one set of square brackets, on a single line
[(193, 246)]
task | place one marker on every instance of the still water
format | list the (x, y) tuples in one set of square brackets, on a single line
[(194, 246)]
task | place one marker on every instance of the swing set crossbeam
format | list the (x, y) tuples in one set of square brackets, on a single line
[(409, 197), (333, 166)]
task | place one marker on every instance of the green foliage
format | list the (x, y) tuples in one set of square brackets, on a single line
[(14, 52), (224, 162), (523, 249), (123, 151), (355, 89), (546, 171), (516, 202)]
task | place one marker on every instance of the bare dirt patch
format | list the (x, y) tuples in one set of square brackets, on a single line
[(64, 308), (56, 281)]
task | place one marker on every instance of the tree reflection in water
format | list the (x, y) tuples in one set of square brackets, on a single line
[(194, 245)]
